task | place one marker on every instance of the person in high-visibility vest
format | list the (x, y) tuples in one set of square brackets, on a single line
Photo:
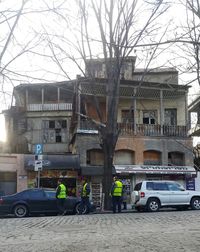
[(61, 195), (85, 194), (116, 193)]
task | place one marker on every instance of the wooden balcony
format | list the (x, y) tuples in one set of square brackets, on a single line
[(143, 129), (49, 107)]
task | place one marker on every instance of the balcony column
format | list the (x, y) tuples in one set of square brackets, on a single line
[(26, 99), (135, 111), (161, 112), (58, 97), (186, 112), (78, 93), (42, 93)]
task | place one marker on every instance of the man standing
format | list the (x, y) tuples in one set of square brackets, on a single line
[(116, 193), (61, 195), (85, 193)]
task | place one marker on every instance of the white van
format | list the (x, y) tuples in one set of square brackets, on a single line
[(152, 195)]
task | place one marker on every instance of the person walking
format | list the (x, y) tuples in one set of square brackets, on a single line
[(116, 193), (61, 195), (85, 193)]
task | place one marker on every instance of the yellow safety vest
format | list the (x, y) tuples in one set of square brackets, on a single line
[(63, 192), (118, 188), (84, 191)]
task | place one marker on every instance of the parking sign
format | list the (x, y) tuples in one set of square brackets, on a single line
[(38, 149)]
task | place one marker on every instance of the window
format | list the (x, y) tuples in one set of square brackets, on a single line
[(36, 194), (174, 187), (150, 186), (127, 116), (149, 117), (50, 194), (160, 186), (51, 124), (170, 116), (54, 131), (138, 187), (95, 157)]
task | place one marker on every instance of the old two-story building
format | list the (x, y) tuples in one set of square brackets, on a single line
[(152, 118), (39, 120), (153, 122)]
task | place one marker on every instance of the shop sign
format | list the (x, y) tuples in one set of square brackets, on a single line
[(155, 169), (190, 184)]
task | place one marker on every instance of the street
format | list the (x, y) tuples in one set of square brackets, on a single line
[(162, 231)]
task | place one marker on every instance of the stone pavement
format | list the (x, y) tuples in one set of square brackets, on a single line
[(131, 232)]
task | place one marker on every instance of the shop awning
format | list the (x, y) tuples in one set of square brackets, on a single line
[(54, 162), (154, 169)]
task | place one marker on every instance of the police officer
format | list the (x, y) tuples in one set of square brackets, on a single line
[(85, 193), (116, 193), (61, 195)]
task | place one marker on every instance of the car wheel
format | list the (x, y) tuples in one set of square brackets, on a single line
[(153, 205), (20, 211), (78, 209), (195, 203)]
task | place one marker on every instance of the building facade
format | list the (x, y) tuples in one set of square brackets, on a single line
[(153, 123), (152, 118), (41, 117)]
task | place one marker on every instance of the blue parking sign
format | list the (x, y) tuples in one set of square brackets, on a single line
[(38, 149)]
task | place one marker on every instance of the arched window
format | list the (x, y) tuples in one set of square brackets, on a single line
[(176, 158), (152, 157), (124, 157)]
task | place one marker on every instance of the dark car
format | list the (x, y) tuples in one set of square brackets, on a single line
[(37, 201)]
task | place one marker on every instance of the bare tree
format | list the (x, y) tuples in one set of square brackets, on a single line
[(110, 30)]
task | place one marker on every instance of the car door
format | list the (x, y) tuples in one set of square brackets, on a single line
[(36, 200), (161, 191), (51, 204), (178, 195)]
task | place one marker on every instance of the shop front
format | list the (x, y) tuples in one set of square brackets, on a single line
[(54, 167), (136, 173)]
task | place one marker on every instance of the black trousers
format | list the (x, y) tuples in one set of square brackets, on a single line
[(116, 202), (61, 205), (85, 202)]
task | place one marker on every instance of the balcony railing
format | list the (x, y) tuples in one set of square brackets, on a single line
[(49, 107), (143, 129)]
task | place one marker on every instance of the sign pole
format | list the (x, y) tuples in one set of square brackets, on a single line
[(38, 178), (38, 161)]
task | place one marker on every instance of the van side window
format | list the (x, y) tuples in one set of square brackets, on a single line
[(174, 187), (150, 186), (138, 187), (160, 186)]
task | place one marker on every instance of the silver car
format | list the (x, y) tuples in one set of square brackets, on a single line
[(152, 195)]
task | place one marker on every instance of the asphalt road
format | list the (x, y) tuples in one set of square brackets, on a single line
[(134, 232)]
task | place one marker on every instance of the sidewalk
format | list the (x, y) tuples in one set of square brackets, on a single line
[(128, 210)]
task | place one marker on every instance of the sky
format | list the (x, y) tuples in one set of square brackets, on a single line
[(42, 68)]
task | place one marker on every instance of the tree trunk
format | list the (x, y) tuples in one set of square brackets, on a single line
[(108, 169)]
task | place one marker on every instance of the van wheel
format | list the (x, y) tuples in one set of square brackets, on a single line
[(153, 205), (195, 203), (20, 211)]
